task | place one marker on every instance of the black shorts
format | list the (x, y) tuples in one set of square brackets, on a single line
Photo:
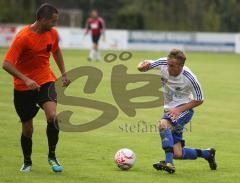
[(95, 38), (27, 103)]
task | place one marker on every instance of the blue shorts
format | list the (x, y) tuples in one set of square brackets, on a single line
[(178, 125)]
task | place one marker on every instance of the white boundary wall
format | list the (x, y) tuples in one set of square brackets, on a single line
[(237, 43), (73, 38), (7, 34), (195, 41)]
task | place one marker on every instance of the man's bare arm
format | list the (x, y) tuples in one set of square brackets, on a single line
[(144, 66), (57, 55), (11, 69), (175, 112)]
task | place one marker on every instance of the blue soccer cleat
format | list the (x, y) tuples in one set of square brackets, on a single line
[(56, 167)]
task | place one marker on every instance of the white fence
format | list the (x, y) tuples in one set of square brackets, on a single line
[(73, 38), (7, 34), (196, 41)]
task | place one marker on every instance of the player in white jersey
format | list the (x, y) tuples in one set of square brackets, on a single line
[(182, 92)]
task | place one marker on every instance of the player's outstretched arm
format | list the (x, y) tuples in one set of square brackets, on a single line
[(144, 66)]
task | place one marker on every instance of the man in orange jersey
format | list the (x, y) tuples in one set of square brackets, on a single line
[(27, 60)]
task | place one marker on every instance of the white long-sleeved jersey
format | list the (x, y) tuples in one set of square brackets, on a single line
[(180, 89)]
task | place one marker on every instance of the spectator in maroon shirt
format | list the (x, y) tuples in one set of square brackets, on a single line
[(96, 26)]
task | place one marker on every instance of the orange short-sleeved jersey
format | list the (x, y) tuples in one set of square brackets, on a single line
[(30, 53)]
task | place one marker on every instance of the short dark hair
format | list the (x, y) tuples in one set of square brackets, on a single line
[(46, 11), (178, 55)]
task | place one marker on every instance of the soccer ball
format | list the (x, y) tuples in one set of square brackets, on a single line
[(125, 158)]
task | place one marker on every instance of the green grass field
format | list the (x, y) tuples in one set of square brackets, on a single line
[(88, 157)]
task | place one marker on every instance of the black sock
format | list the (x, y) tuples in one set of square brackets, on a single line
[(52, 134), (26, 144), (199, 152)]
